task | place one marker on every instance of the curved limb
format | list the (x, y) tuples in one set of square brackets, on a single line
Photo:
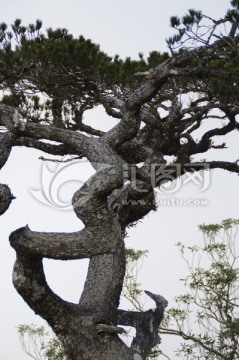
[(30, 282), (63, 246)]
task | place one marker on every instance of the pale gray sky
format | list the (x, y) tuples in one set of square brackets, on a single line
[(126, 27)]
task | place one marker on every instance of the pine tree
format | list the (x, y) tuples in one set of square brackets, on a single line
[(50, 79)]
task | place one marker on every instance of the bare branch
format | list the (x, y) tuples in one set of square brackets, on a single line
[(146, 325)]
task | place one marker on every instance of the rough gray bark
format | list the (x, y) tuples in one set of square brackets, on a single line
[(6, 142), (6, 198), (107, 204)]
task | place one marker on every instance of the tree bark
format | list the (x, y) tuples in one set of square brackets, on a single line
[(88, 330), (6, 197)]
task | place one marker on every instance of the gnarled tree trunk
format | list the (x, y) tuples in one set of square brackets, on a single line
[(88, 330)]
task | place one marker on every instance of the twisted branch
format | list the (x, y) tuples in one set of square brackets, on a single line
[(146, 325)]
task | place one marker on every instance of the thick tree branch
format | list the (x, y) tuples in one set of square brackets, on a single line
[(205, 141), (225, 165), (110, 104), (157, 78), (48, 148), (130, 123), (64, 246), (29, 280), (10, 118), (90, 130)]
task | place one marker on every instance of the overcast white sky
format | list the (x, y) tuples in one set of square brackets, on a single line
[(126, 27)]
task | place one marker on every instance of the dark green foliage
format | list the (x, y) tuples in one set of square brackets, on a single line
[(235, 4), (175, 21), (183, 25), (191, 18), (227, 90), (66, 69), (155, 58), (195, 29), (72, 72), (60, 48), (14, 99)]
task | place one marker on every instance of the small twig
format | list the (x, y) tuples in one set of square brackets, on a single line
[(59, 161)]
